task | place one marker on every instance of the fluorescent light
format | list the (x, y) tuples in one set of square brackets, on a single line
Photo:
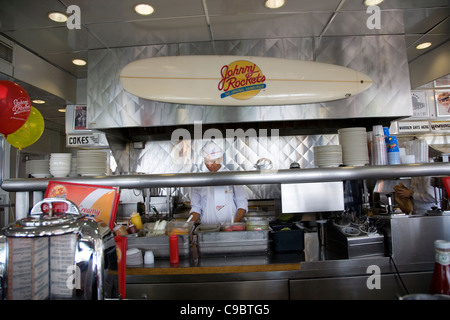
[(62, 110), (79, 62), (57, 16), (38, 101), (144, 9), (274, 4), (369, 3), (423, 45)]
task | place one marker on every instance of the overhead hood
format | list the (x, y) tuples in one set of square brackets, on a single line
[(383, 58)]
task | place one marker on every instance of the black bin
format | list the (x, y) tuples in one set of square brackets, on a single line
[(287, 240)]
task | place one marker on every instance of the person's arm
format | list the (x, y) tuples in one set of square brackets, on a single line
[(239, 215), (240, 199), (196, 205)]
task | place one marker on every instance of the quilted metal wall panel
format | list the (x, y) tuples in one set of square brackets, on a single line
[(383, 58)]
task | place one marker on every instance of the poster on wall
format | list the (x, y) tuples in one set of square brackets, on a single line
[(442, 98), (80, 118), (442, 82), (419, 103)]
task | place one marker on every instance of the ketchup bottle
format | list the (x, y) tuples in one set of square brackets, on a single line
[(173, 249), (440, 281)]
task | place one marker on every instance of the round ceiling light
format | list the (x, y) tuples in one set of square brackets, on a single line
[(57, 16), (38, 101), (369, 3), (144, 9), (79, 62), (423, 45), (274, 4)]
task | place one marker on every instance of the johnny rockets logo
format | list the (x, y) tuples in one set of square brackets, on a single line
[(241, 80)]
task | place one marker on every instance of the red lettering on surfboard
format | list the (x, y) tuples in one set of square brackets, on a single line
[(241, 80)]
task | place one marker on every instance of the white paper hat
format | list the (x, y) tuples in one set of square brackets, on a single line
[(212, 151)]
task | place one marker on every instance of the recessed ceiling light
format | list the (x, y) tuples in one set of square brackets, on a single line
[(369, 3), (62, 110), (274, 4), (423, 45), (38, 101), (57, 16), (144, 9), (79, 62)]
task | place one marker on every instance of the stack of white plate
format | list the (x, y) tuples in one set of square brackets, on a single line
[(60, 164), (38, 168), (328, 156), (355, 151), (134, 257), (92, 163)]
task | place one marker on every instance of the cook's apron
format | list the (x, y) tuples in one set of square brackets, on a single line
[(220, 205)]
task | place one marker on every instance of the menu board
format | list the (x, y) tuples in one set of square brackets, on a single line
[(40, 268), (96, 202)]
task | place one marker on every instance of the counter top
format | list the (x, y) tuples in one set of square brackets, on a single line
[(313, 259)]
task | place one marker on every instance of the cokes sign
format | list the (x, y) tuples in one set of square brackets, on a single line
[(241, 80)]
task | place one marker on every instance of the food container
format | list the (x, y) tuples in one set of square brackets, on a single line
[(257, 223), (179, 227), (235, 226), (287, 237), (237, 242), (207, 228)]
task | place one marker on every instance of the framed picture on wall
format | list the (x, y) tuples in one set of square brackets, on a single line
[(80, 118), (442, 98), (419, 104), (442, 82)]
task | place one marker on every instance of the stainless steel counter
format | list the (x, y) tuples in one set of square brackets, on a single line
[(310, 274)]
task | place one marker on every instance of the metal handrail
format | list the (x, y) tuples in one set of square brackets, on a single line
[(240, 177)]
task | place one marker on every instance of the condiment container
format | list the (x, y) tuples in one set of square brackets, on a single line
[(440, 281), (179, 227), (257, 223), (132, 229), (173, 248), (235, 226), (120, 230), (135, 219)]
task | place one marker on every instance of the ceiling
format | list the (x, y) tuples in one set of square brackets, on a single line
[(113, 24)]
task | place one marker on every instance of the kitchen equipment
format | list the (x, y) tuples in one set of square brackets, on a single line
[(38, 168), (287, 237), (328, 156), (263, 164), (92, 162), (237, 242), (350, 243), (312, 197), (55, 253), (60, 164), (355, 151)]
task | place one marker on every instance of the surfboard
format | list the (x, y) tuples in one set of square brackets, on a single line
[(240, 80)]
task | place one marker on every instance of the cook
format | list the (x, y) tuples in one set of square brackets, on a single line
[(218, 204), (421, 192)]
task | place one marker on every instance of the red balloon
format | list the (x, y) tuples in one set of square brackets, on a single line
[(15, 107)]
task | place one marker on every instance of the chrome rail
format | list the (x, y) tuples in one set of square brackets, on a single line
[(240, 177), (22, 187)]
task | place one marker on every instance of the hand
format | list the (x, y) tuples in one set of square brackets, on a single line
[(404, 192)]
